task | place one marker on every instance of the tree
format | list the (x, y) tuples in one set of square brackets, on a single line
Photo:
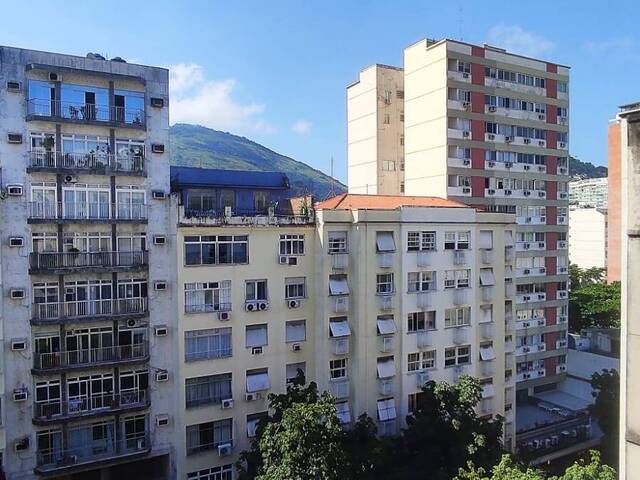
[(369, 457), (595, 305), (575, 276), (508, 470), (582, 277), (606, 409)]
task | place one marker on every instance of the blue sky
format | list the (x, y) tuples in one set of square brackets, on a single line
[(276, 71)]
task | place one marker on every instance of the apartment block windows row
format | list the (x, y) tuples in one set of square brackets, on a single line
[(515, 104), (207, 390), (514, 77), (209, 435), (207, 296), (457, 240), (419, 361), (292, 244), (504, 156), (207, 344), (421, 321), (515, 131), (384, 284), (216, 249), (421, 282)]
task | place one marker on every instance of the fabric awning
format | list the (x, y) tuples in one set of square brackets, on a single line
[(343, 412), (256, 382), (385, 242), (386, 368), (339, 328), (386, 410), (486, 239), (338, 285), (296, 331), (487, 353), (386, 326), (486, 277), (256, 336)]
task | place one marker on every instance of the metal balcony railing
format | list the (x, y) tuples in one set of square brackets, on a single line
[(90, 308), (83, 405), (90, 356), (86, 161), (87, 211), (85, 112), (72, 260)]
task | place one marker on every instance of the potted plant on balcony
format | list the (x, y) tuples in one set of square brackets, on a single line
[(48, 143)]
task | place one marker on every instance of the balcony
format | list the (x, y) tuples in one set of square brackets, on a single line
[(531, 322), (459, 162), (534, 246), (459, 76), (58, 460), (93, 310), (55, 411), (70, 212), (244, 217), (530, 374), (531, 271), (70, 262), (84, 113), (531, 297), (89, 358), (459, 191), (99, 163)]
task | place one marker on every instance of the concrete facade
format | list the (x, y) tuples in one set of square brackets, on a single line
[(614, 233), (588, 237), (89, 365)]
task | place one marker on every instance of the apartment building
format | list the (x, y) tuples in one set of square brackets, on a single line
[(628, 122), (87, 290), (490, 129), (614, 200), (588, 237), (589, 192)]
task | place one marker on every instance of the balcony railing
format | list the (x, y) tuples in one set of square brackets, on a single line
[(90, 356), (58, 458), (246, 216), (85, 112), (90, 308), (72, 260), (86, 161), (87, 211), (85, 405)]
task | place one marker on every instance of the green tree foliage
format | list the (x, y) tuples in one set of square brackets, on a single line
[(606, 409), (595, 305), (582, 277), (508, 470)]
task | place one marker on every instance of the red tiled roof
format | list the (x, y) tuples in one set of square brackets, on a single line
[(349, 201)]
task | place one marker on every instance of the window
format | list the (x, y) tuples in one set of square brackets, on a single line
[(337, 242), (414, 402), (207, 436), (456, 278), (44, 241), (207, 297), (343, 412), (227, 199), (258, 380), (421, 321), (386, 367), (207, 390), (384, 283), (486, 313), (486, 352), (422, 281), (292, 244), (199, 201), (260, 201), (421, 360), (293, 369), (338, 285), (256, 335), (338, 369), (386, 410), (486, 239), (224, 472), (48, 398), (385, 242), (388, 95), (387, 119), (486, 277), (457, 355), (207, 344), (388, 166), (563, 87), (216, 250), (457, 317), (385, 325), (295, 331), (339, 327), (253, 420), (294, 287), (456, 240), (255, 290), (417, 241)]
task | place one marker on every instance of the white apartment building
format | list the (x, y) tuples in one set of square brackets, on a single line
[(489, 128), (87, 290), (588, 230), (589, 192)]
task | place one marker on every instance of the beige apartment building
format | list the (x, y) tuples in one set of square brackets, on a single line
[(588, 234), (488, 128)]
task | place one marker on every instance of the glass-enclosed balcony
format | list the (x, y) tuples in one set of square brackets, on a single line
[(83, 309), (47, 210), (92, 161), (84, 112), (60, 262), (91, 357)]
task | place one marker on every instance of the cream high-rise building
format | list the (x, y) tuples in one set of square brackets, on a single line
[(490, 129)]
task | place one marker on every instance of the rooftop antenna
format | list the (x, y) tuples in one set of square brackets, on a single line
[(332, 192)]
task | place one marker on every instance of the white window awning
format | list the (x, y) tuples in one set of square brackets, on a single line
[(339, 328), (487, 313), (487, 277), (386, 368), (385, 242), (256, 336), (343, 412), (488, 390), (386, 326), (252, 425), (386, 410), (486, 239), (296, 331), (257, 382), (508, 238), (487, 353), (338, 285)]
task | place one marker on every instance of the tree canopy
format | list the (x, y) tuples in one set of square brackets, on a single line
[(595, 305), (606, 409)]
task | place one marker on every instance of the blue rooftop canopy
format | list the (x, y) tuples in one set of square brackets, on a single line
[(193, 177)]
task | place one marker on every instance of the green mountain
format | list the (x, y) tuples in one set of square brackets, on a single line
[(196, 146), (585, 169)]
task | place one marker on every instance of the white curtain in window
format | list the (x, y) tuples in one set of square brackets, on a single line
[(339, 328), (296, 331), (256, 336), (257, 382)]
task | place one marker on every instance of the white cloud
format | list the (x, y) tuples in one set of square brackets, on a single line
[(303, 127), (611, 45), (517, 40), (195, 99)]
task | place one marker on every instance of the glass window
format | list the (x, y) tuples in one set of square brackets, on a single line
[(255, 290), (338, 369), (207, 297), (207, 344), (384, 283), (292, 244), (421, 321), (294, 287), (337, 242)]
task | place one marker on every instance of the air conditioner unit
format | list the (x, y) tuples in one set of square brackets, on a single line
[(161, 331), (54, 77), (541, 194), (541, 117), (293, 261), (251, 307), (157, 102), (561, 145), (527, 193), (491, 136), (162, 420), (542, 245), (466, 133), (466, 162), (492, 108), (466, 105), (14, 190), (21, 445), (224, 316), (283, 260), (541, 143), (70, 179), (131, 323), (13, 87), (14, 137), (508, 139), (508, 192), (162, 376), (157, 148), (543, 219), (526, 271), (224, 450), (18, 344), (508, 164), (526, 324), (526, 246), (527, 141), (159, 285), (296, 347), (526, 298), (525, 349), (492, 164), (527, 167), (562, 120), (226, 403), (542, 168), (158, 194), (251, 397), (262, 305), (293, 303), (491, 191), (16, 241), (20, 395), (17, 294), (159, 240), (465, 75), (466, 190), (256, 350), (562, 170)]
